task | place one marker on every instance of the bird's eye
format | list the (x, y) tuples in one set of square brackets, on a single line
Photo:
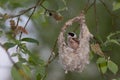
[(71, 34)]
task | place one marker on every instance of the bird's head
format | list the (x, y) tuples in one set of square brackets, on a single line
[(72, 35)]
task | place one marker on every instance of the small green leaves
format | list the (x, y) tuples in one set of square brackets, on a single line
[(22, 59), (15, 74), (112, 67), (38, 76), (107, 64), (101, 60), (103, 67), (40, 72), (31, 40), (8, 45), (21, 72), (102, 63)]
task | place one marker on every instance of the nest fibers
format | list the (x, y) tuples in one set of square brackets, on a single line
[(70, 59)]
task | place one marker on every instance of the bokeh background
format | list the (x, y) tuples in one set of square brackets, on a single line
[(46, 29)]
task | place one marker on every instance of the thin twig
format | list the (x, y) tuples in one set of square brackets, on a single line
[(102, 76), (50, 59), (16, 27), (89, 7), (27, 22), (7, 53), (111, 14), (34, 8), (86, 6), (45, 8), (96, 20), (23, 12), (12, 61), (15, 65), (18, 21), (106, 7)]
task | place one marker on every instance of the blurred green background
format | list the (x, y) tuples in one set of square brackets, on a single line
[(100, 23)]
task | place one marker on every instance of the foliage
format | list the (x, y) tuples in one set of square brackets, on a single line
[(107, 64), (48, 16)]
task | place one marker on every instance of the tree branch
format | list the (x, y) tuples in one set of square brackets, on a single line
[(96, 20), (52, 55), (7, 53)]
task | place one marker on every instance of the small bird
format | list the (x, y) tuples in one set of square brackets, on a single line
[(72, 40)]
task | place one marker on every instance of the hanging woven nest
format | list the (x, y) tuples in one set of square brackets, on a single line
[(75, 59)]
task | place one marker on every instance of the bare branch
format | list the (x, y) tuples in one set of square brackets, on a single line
[(96, 19), (52, 55), (89, 7), (22, 73), (9, 56)]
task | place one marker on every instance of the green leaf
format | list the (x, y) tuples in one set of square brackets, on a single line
[(116, 6), (31, 40), (15, 74), (103, 67), (40, 72), (38, 76), (101, 60), (27, 70), (24, 49), (112, 67), (8, 45), (35, 60), (21, 72), (22, 60)]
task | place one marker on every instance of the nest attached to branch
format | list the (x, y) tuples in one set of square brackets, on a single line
[(70, 59)]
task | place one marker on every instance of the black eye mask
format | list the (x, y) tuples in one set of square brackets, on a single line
[(71, 34)]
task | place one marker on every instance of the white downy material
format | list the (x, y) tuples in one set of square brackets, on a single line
[(70, 59)]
